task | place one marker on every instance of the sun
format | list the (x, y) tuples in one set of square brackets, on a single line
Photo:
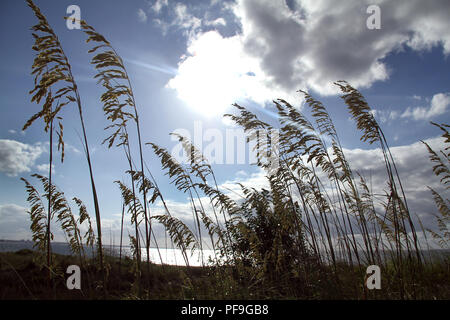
[(214, 75)]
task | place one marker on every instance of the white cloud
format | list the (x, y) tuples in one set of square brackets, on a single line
[(17, 157), (179, 19), (12, 131), (185, 20), (438, 106), (307, 45), (323, 42), (70, 147), (385, 115), (241, 173), (216, 22), (159, 4), (15, 222), (257, 180), (217, 72), (44, 168), (142, 16)]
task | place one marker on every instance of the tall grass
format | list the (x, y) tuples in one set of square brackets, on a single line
[(318, 212), (120, 107), (61, 209), (52, 72), (310, 234)]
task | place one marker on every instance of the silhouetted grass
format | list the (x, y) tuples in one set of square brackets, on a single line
[(310, 235), (22, 278)]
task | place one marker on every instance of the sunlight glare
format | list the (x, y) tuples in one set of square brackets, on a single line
[(214, 74)]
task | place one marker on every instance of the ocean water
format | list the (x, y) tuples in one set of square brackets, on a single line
[(163, 255), (175, 257)]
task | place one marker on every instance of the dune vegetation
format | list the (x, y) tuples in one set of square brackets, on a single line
[(311, 235)]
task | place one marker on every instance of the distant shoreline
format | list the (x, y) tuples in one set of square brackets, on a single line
[(171, 256), (161, 248)]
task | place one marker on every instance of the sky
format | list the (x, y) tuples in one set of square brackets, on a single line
[(189, 61)]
